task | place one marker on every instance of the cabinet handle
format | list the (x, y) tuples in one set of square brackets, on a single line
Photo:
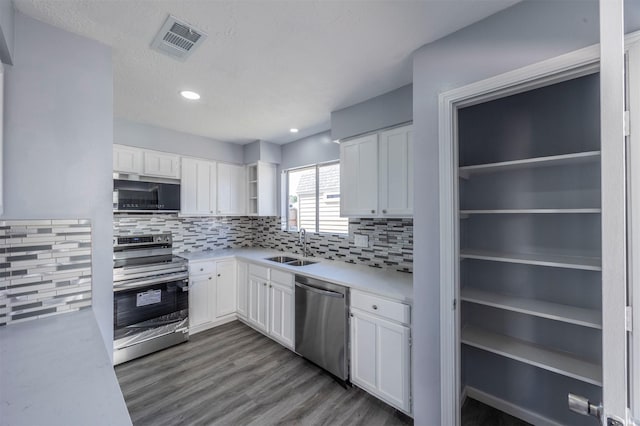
[(351, 315), (270, 286), (218, 274), (209, 277), (201, 269), (373, 211), (264, 284), (375, 307), (384, 211)]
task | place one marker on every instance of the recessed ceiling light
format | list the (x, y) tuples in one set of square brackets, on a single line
[(188, 94), (293, 130)]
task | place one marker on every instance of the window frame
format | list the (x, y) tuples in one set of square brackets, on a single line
[(315, 166)]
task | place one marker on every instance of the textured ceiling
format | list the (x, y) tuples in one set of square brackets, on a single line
[(266, 65)]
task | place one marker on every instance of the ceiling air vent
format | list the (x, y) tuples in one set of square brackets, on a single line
[(177, 39)]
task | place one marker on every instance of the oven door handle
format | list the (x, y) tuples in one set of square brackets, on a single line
[(151, 281)]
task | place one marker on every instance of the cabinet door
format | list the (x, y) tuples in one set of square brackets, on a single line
[(394, 377), (363, 351), (127, 159), (225, 287), (161, 164), (243, 289), (231, 189), (200, 298), (380, 358), (396, 172), (267, 187), (359, 177), (281, 313), (258, 305), (196, 189)]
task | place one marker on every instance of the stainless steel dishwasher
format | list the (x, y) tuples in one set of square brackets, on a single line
[(322, 324)]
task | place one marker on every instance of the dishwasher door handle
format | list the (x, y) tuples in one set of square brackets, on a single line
[(320, 291)]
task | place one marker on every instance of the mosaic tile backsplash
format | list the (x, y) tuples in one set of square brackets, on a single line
[(45, 268), (390, 240)]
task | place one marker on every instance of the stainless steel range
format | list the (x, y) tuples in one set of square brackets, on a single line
[(151, 299)]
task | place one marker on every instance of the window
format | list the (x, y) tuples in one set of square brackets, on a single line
[(313, 195)]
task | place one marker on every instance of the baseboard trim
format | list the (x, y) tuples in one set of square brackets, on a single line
[(223, 320), (463, 396), (508, 407)]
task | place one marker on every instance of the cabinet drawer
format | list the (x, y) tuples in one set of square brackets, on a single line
[(259, 271), (281, 277), (395, 311), (202, 268)]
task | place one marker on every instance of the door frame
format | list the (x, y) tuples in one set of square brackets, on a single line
[(570, 65), (633, 162)]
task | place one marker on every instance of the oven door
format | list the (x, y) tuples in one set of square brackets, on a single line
[(143, 304)]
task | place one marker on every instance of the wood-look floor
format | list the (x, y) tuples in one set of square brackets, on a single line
[(233, 375)]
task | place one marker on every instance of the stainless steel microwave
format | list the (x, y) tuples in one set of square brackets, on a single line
[(145, 196)]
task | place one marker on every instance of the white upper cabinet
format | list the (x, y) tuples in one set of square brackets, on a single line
[(198, 187), (396, 172), (359, 177), (376, 174), (161, 164), (127, 159), (131, 160), (231, 189), (262, 183)]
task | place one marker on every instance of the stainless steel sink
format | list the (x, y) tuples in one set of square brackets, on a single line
[(301, 262), (281, 259), (291, 261)]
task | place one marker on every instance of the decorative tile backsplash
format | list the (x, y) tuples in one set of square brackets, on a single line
[(190, 234), (45, 268), (390, 240)]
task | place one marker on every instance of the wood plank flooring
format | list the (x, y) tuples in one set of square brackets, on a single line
[(233, 375)]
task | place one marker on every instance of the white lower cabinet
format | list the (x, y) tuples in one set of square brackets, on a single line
[(200, 302), (243, 289), (381, 356), (225, 288), (212, 293), (258, 302), (269, 301), (281, 313)]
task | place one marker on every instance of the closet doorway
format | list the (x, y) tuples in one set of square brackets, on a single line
[(522, 238)]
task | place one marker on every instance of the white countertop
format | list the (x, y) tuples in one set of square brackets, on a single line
[(56, 371), (392, 284)]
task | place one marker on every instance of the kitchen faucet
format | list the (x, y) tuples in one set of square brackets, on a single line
[(302, 240)]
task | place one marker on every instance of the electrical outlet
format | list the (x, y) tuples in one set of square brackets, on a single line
[(361, 240)]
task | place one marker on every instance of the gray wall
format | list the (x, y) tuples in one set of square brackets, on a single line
[(58, 141), (386, 110), (526, 33), (270, 152), (251, 152), (262, 151), (7, 18), (152, 137), (313, 149)]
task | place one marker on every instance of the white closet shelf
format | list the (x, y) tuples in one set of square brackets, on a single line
[(554, 160), (557, 261), (554, 311), (533, 211), (558, 362)]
